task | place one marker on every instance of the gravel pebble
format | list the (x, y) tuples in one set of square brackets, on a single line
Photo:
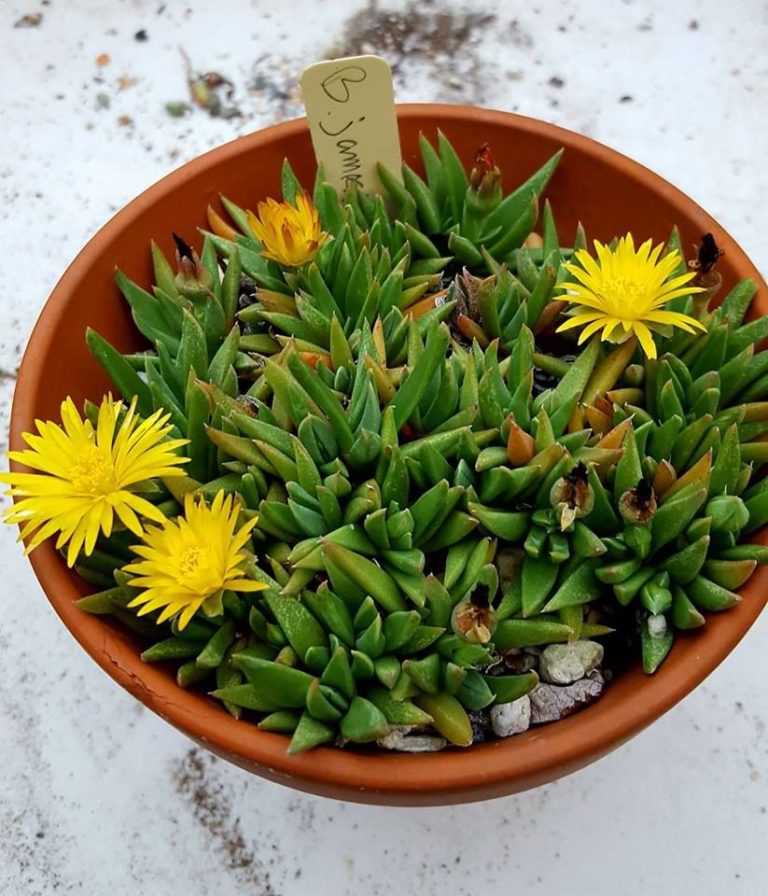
[(566, 663), (400, 739), (550, 702), (511, 718)]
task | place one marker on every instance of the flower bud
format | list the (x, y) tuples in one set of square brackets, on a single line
[(634, 375), (193, 279), (485, 179)]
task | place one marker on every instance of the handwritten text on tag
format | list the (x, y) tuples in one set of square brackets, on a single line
[(350, 107)]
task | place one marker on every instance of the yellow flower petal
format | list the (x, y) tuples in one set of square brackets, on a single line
[(675, 319), (591, 329), (188, 562), (624, 290), (289, 234), (646, 339), (578, 320), (85, 474)]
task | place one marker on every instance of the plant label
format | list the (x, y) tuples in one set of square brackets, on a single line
[(350, 107)]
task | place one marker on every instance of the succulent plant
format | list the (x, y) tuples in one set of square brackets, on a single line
[(440, 478)]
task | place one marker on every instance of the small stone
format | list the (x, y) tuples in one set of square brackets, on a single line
[(400, 739), (566, 663), (550, 703), (657, 626), (30, 20), (126, 81), (511, 718)]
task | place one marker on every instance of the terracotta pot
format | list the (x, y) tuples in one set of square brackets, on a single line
[(609, 194)]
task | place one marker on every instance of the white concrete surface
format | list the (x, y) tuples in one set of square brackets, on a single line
[(98, 795)]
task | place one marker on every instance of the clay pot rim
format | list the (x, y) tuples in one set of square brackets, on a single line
[(488, 769)]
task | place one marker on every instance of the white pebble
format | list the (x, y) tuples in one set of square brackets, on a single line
[(400, 739), (550, 702), (511, 718), (566, 663)]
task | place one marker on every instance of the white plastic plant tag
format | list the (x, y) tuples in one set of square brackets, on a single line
[(350, 107)]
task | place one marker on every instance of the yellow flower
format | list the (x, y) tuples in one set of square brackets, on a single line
[(85, 475), (187, 563), (289, 234), (624, 293)]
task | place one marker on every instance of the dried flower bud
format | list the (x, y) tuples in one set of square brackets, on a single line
[(464, 291), (707, 277), (707, 255), (192, 280), (473, 619), (572, 496), (637, 505)]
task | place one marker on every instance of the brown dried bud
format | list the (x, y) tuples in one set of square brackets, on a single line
[(572, 496), (637, 505), (707, 255), (465, 291), (707, 277), (474, 619)]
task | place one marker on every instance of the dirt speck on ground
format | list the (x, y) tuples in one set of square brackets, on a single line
[(196, 780), (30, 20), (430, 37)]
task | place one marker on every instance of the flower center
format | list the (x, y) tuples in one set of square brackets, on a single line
[(625, 298), (196, 571), (94, 473)]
